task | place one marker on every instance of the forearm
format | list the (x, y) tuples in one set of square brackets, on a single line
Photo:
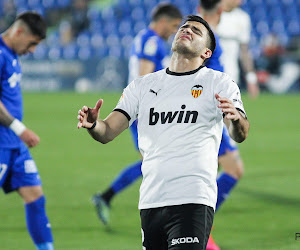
[(5, 118), (101, 132), (246, 59), (238, 130), (108, 129)]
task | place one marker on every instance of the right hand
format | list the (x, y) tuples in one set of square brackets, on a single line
[(30, 138), (87, 116)]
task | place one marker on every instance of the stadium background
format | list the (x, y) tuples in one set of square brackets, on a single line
[(263, 211), (88, 41)]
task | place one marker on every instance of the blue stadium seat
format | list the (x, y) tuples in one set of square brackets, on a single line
[(48, 4), (262, 27), (138, 14), (41, 51), (55, 53), (125, 27), (115, 51), (139, 26), (293, 28), (113, 40), (70, 51), (83, 39), (97, 40), (32, 4), (85, 53), (278, 26), (63, 3)]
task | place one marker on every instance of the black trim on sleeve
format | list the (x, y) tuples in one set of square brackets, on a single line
[(239, 111), (183, 73), (124, 113), (242, 112)]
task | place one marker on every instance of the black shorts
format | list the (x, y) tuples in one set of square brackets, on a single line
[(176, 227)]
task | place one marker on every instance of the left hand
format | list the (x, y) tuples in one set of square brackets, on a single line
[(231, 113)]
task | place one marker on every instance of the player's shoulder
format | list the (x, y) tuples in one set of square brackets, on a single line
[(149, 78), (216, 76), (240, 13)]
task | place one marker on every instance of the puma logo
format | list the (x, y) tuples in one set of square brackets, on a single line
[(152, 91)]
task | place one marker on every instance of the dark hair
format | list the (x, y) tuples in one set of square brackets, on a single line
[(208, 4), (35, 23), (212, 40), (165, 9)]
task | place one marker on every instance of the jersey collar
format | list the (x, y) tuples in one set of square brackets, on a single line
[(183, 73)]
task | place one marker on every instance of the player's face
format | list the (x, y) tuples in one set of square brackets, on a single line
[(191, 38), (171, 27), (25, 42)]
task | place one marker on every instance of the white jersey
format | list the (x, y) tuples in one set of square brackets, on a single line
[(234, 29), (179, 133)]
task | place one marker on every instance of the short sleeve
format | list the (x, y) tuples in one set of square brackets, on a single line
[(229, 89), (150, 49), (129, 101)]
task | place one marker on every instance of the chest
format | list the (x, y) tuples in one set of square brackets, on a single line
[(10, 73), (184, 100)]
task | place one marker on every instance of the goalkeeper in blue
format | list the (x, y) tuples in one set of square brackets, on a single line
[(18, 171), (149, 53)]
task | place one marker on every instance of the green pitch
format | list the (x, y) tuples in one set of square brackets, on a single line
[(262, 212)]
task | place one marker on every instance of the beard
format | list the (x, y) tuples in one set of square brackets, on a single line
[(183, 49)]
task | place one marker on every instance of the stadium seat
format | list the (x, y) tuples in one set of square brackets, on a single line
[(83, 39), (55, 53), (70, 51), (41, 52)]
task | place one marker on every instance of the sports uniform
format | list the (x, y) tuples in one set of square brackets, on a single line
[(234, 29), (180, 130), (17, 166)]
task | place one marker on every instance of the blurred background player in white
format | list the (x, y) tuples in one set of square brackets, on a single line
[(18, 171), (228, 156), (149, 53), (234, 31)]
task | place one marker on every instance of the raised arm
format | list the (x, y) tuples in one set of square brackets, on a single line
[(235, 120), (105, 130)]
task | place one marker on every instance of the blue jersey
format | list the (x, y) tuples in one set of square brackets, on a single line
[(150, 46), (214, 61), (10, 93)]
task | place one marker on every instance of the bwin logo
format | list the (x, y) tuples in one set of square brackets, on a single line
[(169, 117), (185, 240)]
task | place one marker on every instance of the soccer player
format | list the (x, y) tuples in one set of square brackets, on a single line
[(149, 53), (234, 31), (228, 157), (18, 171), (181, 111)]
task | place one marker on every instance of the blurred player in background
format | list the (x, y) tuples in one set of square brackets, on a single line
[(228, 157), (149, 53), (18, 171), (234, 31)]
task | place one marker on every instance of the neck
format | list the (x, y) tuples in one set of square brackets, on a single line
[(180, 63), (6, 38)]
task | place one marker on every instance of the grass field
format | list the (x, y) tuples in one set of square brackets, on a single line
[(263, 212)]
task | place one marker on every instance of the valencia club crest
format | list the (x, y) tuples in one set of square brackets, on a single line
[(196, 91)]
